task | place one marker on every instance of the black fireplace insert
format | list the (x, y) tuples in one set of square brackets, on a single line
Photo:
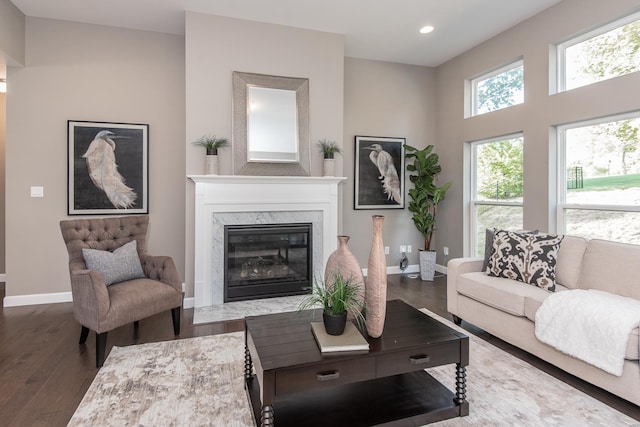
[(263, 261)]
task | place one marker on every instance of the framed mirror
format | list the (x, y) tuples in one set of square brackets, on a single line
[(270, 125)]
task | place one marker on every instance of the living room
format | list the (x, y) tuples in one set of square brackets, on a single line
[(180, 85)]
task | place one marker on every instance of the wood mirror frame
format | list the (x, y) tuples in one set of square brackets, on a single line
[(242, 165)]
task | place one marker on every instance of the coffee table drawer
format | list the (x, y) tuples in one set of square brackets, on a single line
[(325, 375), (417, 359)]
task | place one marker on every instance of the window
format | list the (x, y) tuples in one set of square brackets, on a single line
[(498, 89), (609, 51), (599, 179), (496, 187)]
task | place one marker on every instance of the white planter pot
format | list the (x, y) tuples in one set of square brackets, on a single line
[(212, 164), (427, 265), (328, 167)]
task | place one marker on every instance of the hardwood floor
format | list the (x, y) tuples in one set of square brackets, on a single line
[(44, 373)]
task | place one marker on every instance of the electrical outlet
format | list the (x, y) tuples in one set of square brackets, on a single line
[(408, 249), (446, 251), (403, 249), (386, 250)]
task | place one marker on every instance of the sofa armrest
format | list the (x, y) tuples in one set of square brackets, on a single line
[(90, 298), (162, 268), (456, 267)]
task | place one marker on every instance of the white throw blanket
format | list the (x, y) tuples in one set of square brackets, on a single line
[(590, 325)]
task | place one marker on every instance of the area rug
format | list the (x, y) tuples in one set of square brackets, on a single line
[(199, 382)]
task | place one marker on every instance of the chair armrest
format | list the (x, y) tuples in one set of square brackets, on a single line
[(161, 268), (456, 267), (91, 301)]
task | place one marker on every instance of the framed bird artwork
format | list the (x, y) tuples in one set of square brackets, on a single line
[(379, 172), (108, 168)]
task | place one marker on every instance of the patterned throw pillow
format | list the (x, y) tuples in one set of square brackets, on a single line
[(117, 266), (488, 244), (528, 258)]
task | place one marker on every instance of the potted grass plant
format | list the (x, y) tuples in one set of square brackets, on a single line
[(423, 167), (328, 149), (337, 300), (212, 144)]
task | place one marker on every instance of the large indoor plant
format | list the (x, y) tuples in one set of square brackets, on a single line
[(423, 167), (337, 299)]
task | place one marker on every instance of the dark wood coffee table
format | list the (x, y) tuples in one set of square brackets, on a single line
[(297, 385)]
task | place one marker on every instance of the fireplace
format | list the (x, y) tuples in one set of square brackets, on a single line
[(257, 200), (268, 260)]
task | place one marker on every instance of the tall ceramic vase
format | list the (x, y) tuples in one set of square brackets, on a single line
[(376, 288), (344, 262)]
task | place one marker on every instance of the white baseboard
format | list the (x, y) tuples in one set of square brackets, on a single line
[(3, 277), (188, 302), (36, 299)]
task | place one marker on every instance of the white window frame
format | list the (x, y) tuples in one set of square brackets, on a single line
[(473, 85), (472, 232), (561, 173), (561, 48)]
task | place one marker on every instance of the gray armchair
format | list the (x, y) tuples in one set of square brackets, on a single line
[(102, 308)]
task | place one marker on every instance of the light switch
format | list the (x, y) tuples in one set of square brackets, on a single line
[(37, 191)]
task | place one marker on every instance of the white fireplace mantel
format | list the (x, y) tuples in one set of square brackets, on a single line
[(257, 198)]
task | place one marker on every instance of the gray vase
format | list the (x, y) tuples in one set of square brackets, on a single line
[(427, 265)]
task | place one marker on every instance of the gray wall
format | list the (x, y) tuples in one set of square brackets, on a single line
[(536, 118), (88, 72), (12, 34), (392, 100), (215, 47)]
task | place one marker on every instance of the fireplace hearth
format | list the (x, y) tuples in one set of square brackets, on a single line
[(263, 261)]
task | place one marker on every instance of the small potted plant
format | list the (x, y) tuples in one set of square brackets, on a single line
[(328, 149), (212, 144), (337, 300), (424, 199)]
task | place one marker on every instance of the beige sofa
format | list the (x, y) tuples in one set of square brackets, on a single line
[(506, 308)]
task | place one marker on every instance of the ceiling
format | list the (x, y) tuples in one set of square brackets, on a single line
[(383, 30)]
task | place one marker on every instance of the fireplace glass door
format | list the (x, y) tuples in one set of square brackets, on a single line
[(264, 261)]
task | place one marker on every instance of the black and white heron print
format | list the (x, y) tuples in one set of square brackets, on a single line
[(379, 181), (107, 168)]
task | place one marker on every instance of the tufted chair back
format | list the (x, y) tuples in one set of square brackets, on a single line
[(103, 234)]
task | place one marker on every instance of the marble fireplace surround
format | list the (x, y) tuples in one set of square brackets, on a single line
[(232, 200)]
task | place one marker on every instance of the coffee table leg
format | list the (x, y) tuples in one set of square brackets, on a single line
[(266, 418), (248, 363), (461, 384)]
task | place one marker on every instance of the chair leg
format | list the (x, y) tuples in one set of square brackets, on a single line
[(84, 333), (101, 346), (175, 315)]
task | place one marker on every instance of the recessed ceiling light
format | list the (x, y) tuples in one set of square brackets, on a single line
[(426, 29)]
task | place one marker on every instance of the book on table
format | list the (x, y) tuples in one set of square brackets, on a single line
[(350, 340)]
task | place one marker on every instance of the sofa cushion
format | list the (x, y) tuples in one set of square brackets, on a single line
[(533, 302), (117, 266), (611, 267), (504, 294), (569, 261), (526, 258)]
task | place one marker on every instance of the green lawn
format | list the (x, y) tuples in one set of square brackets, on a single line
[(610, 183)]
